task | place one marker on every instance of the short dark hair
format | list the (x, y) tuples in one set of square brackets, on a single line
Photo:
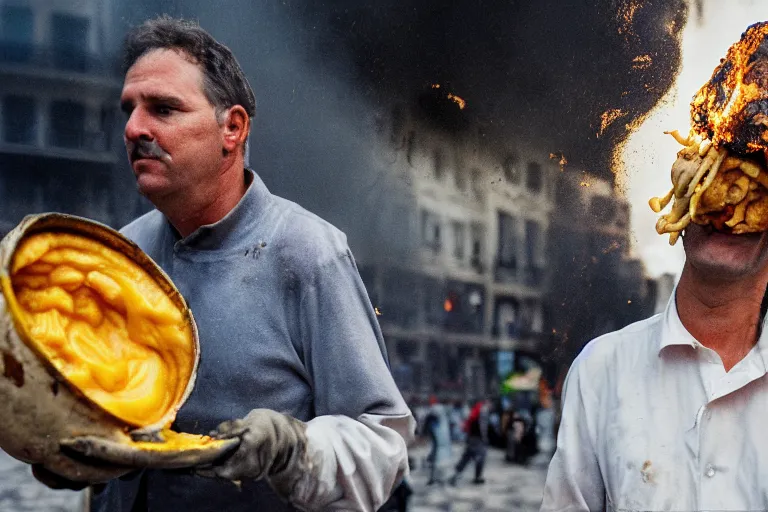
[(224, 83)]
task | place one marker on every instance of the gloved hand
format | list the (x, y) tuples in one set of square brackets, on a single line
[(272, 445)]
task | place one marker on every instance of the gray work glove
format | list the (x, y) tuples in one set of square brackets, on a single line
[(272, 445)]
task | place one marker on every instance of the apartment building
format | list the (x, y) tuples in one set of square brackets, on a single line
[(473, 292), (597, 286), (59, 124)]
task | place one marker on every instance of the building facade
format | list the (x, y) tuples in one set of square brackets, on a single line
[(60, 139), (596, 286), (473, 292), (517, 264)]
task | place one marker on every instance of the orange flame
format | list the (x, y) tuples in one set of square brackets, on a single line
[(562, 161), (718, 109), (448, 305), (461, 102)]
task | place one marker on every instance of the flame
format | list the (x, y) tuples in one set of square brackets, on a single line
[(461, 102), (718, 108), (642, 62), (448, 305), (458, 100)]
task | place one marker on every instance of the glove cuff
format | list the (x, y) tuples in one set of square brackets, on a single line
[(286, 472)]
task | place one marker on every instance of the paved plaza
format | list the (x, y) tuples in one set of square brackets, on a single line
[(508, 488)]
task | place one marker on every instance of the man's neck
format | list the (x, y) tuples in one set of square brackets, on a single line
[(206, 204), (722, 315)]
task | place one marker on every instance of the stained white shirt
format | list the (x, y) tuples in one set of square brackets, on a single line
[(651, 421)]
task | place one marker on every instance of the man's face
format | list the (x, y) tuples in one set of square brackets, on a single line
[(173, 139), (724, 256)]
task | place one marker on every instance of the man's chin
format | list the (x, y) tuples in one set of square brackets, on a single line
[(152, 186), (723, 254)]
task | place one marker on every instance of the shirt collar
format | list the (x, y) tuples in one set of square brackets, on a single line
[(673, 332), (233, 227)]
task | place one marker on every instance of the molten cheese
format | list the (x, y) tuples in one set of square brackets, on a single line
[(104, 323), (178, 441)]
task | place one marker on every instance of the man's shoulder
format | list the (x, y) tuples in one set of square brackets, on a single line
[(307, 236), (623, 348), (145, 226)]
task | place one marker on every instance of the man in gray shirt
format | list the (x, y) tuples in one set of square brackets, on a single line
[(289, 340)]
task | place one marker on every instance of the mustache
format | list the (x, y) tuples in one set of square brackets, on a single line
[(146, 149)]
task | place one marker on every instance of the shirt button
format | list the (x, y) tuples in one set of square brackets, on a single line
[(709, 470)]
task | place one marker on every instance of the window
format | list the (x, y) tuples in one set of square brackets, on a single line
[(16, 31), (430, 230), (507, 321), (19, 119), (67, 125), (507, 255), (534, 243), (535, 180), (459, 240), (511, 171), (107, 122), (477, 234), (531, 318), (70, 41)]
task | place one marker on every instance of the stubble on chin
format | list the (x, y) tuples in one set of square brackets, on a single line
[(724, 257)]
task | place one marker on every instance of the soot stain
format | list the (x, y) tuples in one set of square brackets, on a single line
[(13, 370)]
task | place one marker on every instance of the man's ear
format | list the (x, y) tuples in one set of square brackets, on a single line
[(235, 128)]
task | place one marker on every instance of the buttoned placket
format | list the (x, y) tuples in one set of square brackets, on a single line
[(718, 383)]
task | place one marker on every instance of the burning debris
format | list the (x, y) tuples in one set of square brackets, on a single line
[(719, 178), (608, 117), (561, 160), (458, 100)]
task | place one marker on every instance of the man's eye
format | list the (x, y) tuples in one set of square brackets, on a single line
[(163, 110)]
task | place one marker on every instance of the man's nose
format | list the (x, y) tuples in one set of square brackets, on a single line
[(138, 127)]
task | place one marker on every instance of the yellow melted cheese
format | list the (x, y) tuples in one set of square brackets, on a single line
[(104, 323), (178, 441)]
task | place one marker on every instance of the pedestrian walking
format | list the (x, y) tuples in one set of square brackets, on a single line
[(476, 447), (437, 426)]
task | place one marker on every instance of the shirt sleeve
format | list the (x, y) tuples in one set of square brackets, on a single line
[(357, 442), (574, 481)]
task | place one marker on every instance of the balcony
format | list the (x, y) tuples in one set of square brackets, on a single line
[(59, 59), (83, 146)]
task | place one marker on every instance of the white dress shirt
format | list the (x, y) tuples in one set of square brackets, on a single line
[(651, 421)]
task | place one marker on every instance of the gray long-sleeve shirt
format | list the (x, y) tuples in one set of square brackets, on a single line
[(285, 324)]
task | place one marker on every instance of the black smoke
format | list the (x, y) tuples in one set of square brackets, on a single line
[(544, 70)]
